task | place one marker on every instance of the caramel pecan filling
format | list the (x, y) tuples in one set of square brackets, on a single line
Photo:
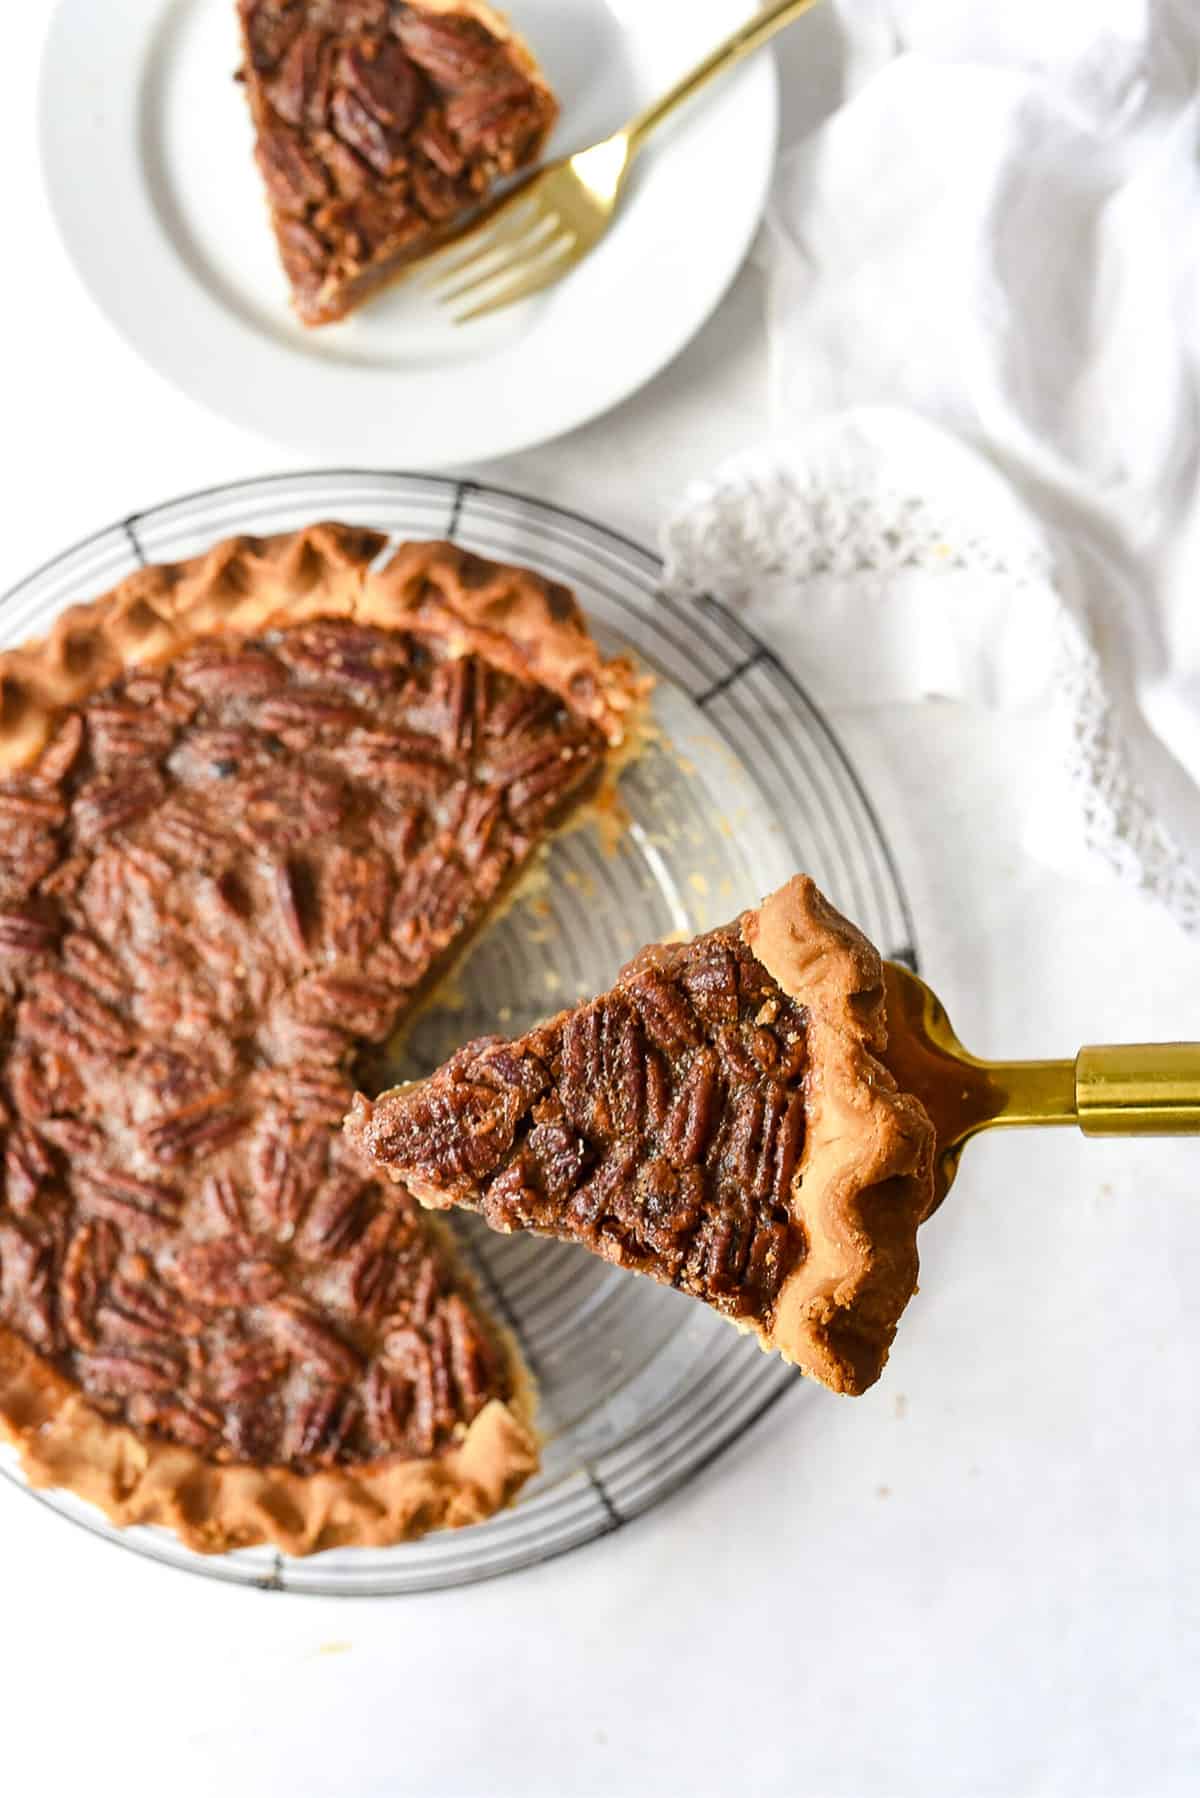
[(377, 124), (661, 1125), (219, 881)]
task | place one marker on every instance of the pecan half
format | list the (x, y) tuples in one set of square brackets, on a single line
[(226, 1272), (312, 1342)]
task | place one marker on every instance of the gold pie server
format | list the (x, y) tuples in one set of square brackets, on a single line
[(1139, 1089), (541, 227)]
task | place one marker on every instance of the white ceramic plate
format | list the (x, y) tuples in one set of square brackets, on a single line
[(146, 146)]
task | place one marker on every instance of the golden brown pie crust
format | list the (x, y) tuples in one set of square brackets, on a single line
[(865, 1180), (520, 623)]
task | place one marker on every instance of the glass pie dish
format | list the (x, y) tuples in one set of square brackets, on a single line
[(742, 782)]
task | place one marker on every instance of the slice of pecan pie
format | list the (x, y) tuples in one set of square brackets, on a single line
[(380, 125), (721, 1120), (249, 806)]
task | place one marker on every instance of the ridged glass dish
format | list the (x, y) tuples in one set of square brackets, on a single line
[(742, 784)]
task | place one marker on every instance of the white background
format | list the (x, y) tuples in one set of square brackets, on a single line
[(980, 1579)]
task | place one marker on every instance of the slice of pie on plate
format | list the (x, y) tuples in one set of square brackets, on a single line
[(721, 1120), (380, 125), (250, 806)]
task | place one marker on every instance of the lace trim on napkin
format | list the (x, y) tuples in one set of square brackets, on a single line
[(830, 520)]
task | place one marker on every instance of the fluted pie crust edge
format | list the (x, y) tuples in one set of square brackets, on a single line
[(865, 1179), (526, 626), (215, 1506)]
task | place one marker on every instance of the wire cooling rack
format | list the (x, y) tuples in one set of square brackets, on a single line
[(743, 784)]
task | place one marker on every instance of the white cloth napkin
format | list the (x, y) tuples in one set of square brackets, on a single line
[(983, 277)]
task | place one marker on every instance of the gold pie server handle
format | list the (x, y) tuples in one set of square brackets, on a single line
[(1135, 1089), (1117, 1089), (1144, 1089)]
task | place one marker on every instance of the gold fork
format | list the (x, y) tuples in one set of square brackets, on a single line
[(538, 230), (1142, 1089)]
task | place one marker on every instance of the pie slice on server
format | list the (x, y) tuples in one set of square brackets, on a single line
[(721, 1120)]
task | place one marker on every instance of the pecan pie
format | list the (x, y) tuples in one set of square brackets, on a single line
[(720, 1120), (380, 125), (249, 806)]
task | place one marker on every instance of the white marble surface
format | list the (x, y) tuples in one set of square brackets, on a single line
[(980, 1579)]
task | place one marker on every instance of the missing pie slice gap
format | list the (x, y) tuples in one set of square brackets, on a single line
[(722, 1119), (251, 807), (380, 126)]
